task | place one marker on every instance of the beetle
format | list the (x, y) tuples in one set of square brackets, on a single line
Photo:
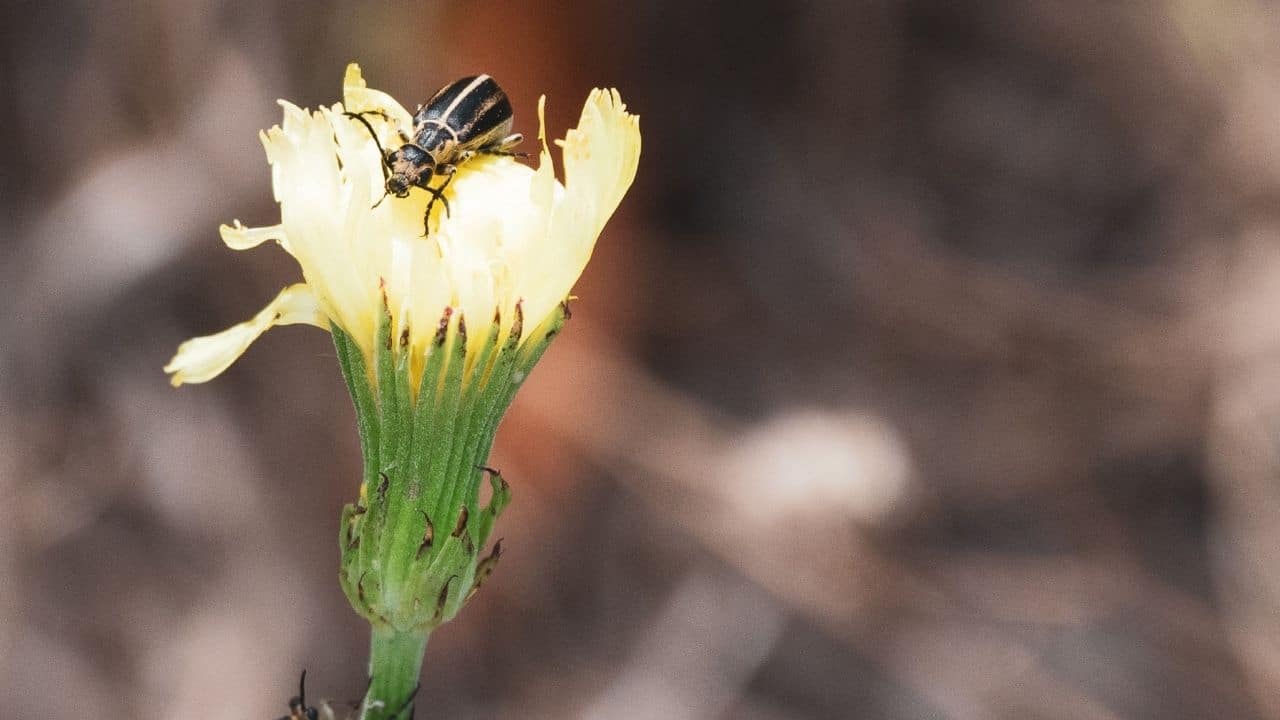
[(468, 117)]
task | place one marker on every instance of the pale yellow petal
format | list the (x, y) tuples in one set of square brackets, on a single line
[(239, 237), (358, 97), (204, 358), (545, 186), (600, 160), (494, 224), (603, 152), (327, 219)]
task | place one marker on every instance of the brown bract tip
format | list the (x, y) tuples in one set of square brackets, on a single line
[(442, 331), (444, 595), (517, 327), (428, 535), (462, 521)]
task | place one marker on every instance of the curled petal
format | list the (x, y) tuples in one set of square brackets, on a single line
[(602, 153), (357, 97), (600, 160), (204, 358), (239, 237)]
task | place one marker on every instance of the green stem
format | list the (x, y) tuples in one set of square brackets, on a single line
[(395, 664)]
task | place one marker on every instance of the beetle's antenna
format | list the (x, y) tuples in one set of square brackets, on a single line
[(382, 154)]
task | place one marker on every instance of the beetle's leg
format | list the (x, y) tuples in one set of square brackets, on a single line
[(438, 192), (426, 216), (510, 141), (383, 155), (449, 170), (503, 153), (503, 147)]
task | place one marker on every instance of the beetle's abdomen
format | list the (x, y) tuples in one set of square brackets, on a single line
[(472, 108)]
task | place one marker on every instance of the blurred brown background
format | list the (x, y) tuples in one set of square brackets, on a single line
[(930, 369)]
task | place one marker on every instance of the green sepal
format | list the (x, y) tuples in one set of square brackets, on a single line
[(499, 498), (448, 576), (438, 479), (489, 394), (411, 545), (484, 569), (355, 371), (348, 540)]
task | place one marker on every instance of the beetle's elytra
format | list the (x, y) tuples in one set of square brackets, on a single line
[(465, 118)]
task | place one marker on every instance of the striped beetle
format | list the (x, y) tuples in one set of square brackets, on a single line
[(465, 118)]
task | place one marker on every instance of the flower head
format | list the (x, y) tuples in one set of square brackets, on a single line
[(514, 241)]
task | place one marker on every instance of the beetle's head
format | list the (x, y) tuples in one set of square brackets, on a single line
[(398, 184), (408, 166)]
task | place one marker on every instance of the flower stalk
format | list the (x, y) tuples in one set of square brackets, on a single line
[(397, 658)]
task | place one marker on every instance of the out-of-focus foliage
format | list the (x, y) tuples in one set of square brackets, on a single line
[(926, 372)]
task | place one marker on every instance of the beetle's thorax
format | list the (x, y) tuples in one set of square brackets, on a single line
[(438, 139)]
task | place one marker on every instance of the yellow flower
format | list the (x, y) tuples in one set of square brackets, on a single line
[(513, 236)]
